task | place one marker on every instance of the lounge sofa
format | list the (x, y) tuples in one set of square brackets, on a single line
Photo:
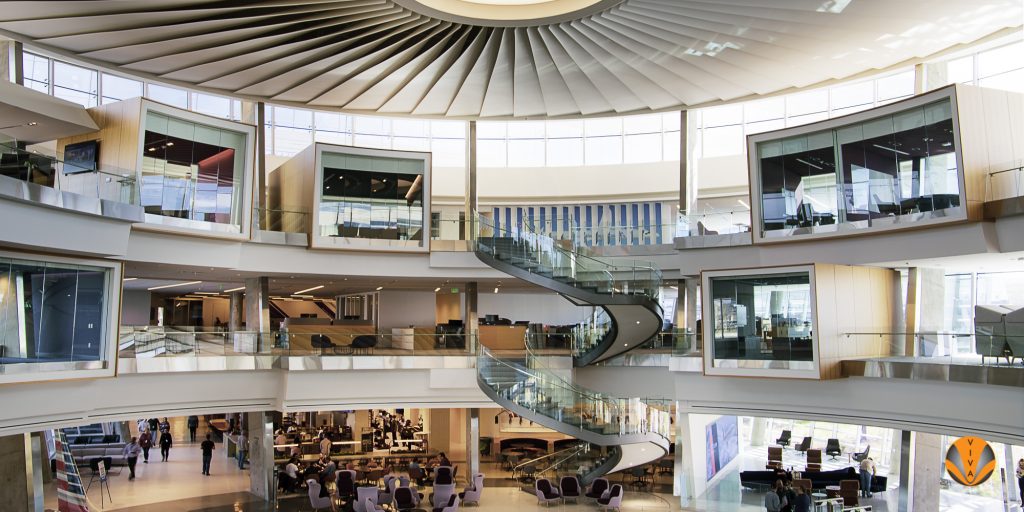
[(83, 453), (761, 480)]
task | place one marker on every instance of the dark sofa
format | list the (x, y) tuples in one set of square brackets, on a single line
[(761, 480)]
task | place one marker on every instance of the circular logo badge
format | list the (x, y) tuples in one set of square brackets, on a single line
[(970, 461)]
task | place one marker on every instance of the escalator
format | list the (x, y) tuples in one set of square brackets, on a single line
[(626, 314)]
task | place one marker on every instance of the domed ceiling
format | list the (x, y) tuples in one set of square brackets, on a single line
[(501, 58)]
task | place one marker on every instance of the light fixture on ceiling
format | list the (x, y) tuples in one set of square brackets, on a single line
[(805, 162), (894, 150), (161, 287), (300, 292), (745, 205), (207, 293), (129, 279), (240, 288), (30, 123), (379, 288), (495, 289), (437, 289)]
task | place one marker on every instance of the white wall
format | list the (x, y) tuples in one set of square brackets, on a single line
[(402, 308), (546, 308), (135, 307)]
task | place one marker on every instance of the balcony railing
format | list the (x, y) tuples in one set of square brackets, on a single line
[(51, 170), (1005, 184), (713, 223)]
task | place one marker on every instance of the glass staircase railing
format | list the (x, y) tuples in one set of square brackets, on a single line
[(583, 460), (560, 260), (555, 402)]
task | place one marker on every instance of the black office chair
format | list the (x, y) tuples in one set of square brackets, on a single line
[(804, 445), (365, 343), (832, 448), (785, 438), (860, 456), (321, 342)]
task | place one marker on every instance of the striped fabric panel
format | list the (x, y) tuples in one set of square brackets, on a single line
[(70, 492)]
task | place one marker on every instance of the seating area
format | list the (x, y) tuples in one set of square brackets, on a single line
[(819, 480)]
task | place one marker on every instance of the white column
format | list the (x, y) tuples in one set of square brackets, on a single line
[(472, 442)]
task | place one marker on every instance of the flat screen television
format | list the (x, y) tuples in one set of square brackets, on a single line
[(81, 157)]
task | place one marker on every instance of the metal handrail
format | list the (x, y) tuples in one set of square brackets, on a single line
[(523, 464)]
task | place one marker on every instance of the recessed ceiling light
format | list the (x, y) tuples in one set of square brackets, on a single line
[(379, 288), (173, 285), (240, 288), (129, 279), (437, 289), (300, 292)]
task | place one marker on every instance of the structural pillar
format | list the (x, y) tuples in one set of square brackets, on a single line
[(905, 470), (690, 285), (236, 312), (472, 320), (472, 442), (925, 311), (260, 428), (21, 476), (255, 113), (687, 183), (682, 482), (1010, 465), (257, 304), (12, 62), (926, 472), (472, 200)]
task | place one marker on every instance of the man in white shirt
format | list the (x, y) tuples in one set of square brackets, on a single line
[(290, 476), (325, 446)]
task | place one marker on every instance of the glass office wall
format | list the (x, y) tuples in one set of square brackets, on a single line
[(876, 172), (761, 321), (192, 170), (54, 312), (364, 196)]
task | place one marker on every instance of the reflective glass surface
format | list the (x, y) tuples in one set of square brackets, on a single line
[(51, 312), (192, 171), (863, 173), (762, 317)]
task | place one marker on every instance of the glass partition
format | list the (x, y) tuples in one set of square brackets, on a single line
[(876, 171), (193, 171), (55, 315), (761, 321), (371, 198)]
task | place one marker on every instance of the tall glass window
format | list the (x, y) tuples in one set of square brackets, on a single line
[(762, 318), (75, 84), (116, 88), (192, 171), (798, 181), (52, 312), (37, 72)]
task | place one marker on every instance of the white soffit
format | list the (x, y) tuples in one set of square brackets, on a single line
[(394, 57)]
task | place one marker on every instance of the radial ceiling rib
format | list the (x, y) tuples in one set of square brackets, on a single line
[(558, 99), (275, 77), (469, 98), (371, 56), (418, 83)]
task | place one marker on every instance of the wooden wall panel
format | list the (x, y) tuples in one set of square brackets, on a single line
[(119, 148), (852, 300), (991, 132)]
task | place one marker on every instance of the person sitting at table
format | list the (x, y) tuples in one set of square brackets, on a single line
[(373, 465), (289, 476), (329, 468)]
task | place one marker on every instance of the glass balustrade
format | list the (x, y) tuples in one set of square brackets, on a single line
[(284, 221), (545, 392), (561, 261), (185, 341), (713, 223), (987, 346), (53, 171), (582, 460), (1005, 184)]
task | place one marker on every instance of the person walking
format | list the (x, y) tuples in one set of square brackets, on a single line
[(1020, 481), (131, 454), (153, 424), (145, 442), (867, 471), (165, 426), (193, 425), (207, 448), (165, 445), (243, 446)]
